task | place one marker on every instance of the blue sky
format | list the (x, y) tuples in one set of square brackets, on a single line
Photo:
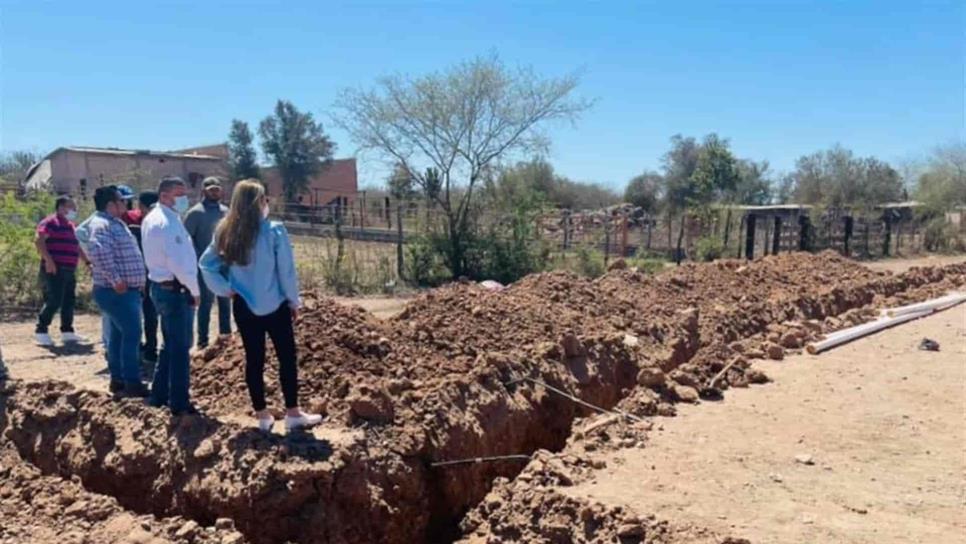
[(780, 79)]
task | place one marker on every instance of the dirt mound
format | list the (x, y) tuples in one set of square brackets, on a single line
[(534, 505), (38, 508), (462, 373), (276, 489)]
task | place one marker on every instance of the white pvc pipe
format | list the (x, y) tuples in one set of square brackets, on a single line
[(951, 299), (936, 304), (847, 335)]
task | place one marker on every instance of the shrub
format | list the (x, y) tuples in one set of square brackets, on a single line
[(590, 262), (941, 235), (423, 263), (709, 248)]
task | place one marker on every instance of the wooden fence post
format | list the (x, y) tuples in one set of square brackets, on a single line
[(777, 240), (750, 237), (399, 241)]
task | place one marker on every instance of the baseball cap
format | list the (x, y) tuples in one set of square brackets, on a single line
[(210, 182), (127, 193)]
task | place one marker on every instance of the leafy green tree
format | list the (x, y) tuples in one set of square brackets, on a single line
[(460, 121), (241, 152), (836, 177), (400, 184), (644, 191), (942, 186), (297, 145), (754, 183), (14, 164)]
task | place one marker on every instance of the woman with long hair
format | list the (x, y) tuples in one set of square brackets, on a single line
[(250, 260)]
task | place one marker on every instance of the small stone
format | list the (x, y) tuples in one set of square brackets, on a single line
[(791, 340), (650, 376), (631, 341), (776, 477), (630, 530), (804, 459), (188, 530), (206, 449), (774, 351), (225, 524), (686, 394)]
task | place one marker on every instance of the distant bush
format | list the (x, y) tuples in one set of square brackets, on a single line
[(590, 262), (423, 263), (709, 248), (941, 235)]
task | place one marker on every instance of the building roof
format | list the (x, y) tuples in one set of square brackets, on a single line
[(116, 151), (130, 152)]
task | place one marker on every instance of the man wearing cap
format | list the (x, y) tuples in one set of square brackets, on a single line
[(173, 271), (200, 223), (118, 272)]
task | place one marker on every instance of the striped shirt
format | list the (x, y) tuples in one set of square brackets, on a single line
[(61, 241), (114, 253)]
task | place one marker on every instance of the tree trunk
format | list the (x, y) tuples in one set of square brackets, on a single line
[(679, 252), (727, 228)]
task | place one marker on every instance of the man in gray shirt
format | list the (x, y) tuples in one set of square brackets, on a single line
[(200, 221)]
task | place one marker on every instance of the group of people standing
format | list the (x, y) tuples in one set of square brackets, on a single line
[(145, 268)]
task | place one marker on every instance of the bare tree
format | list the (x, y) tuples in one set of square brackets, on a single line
[(461, 122)]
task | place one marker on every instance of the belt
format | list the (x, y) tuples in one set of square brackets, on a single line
[(172, 285)]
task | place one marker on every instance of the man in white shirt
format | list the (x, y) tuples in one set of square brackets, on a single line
[(173, 271)]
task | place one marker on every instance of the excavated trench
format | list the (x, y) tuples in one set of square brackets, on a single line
[(456, 377)]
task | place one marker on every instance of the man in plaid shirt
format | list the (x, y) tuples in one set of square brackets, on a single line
[(119, 277)]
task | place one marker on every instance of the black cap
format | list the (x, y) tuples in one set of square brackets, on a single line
[(148, 198)]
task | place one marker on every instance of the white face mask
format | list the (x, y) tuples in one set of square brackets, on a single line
[(71, 215), (181, 204)]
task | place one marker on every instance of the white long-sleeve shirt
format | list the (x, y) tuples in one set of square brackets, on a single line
[(168, 251)]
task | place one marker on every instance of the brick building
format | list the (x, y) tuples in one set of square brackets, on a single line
[(80, 170)]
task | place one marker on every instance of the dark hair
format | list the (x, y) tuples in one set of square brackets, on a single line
[(170, 183), (104, 196), (148, 198), (62, 200)]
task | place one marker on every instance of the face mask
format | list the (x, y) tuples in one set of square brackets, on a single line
[(71, 215), (181, 204)]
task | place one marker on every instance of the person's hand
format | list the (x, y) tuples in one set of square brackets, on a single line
[(120, 287), (50, 266)]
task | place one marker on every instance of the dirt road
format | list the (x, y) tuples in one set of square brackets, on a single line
[(882, 422)]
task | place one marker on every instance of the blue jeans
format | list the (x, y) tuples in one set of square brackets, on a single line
[(123, 336), (204, 313), (171, 375)]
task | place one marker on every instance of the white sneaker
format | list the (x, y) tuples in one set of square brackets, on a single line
[(72, 338), (266, 423), (302, 421), (43, 339)]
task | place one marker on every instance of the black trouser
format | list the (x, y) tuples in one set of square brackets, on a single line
[(58, 295), (150, 322), (253, 328)]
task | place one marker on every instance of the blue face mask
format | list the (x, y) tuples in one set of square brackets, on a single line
[(181, 204)]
